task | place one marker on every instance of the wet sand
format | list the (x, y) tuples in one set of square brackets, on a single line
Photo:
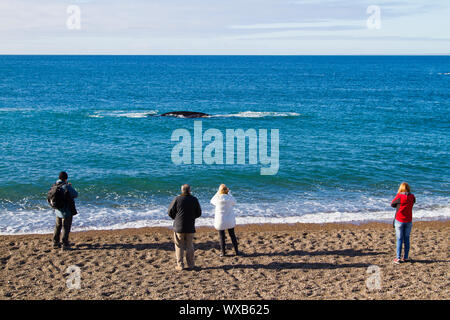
[(299, 261)]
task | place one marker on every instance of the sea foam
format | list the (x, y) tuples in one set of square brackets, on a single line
[(124, 114), (257, 114), (97, 218)]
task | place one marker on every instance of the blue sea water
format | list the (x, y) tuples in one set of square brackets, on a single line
[(351, 128)]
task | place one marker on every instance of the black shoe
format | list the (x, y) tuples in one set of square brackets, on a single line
[(56, 245), (237, 253), (65, 247)]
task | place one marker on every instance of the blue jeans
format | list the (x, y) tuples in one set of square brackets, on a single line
[(402, 232)]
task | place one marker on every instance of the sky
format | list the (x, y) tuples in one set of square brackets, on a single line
[(254, 27)]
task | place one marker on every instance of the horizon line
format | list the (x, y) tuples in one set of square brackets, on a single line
[(199, 54)]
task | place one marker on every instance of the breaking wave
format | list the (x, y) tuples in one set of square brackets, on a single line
[(257, 114)]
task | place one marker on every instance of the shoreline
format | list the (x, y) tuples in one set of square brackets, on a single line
[(265, 226), (278, 261)]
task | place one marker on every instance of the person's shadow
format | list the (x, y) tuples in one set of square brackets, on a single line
[(166, 246), (279, 265), (345, 252), (289, 265), (212, 245), (275, 265), (428, 261)]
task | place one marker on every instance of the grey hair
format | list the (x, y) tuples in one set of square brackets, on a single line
[(186, 189)]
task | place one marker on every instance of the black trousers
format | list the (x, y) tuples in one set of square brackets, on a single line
[(233, 239), (63, 225)]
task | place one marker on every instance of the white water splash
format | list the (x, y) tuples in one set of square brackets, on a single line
[(256, 114), (124, 114)]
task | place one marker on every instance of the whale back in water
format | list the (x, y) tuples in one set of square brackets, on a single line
[(185, 114)]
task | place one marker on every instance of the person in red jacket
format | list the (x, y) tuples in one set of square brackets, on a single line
[(403, 202)]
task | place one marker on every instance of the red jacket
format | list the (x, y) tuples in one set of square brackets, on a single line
[(404, 203)]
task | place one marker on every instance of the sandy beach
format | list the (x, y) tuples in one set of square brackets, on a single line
[(299, 261)]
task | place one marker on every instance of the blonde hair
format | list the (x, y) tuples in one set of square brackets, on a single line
[(223, 189), (404, 187)]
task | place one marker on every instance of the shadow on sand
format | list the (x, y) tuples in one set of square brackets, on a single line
[(276, 265), (428, 261), (166, 246), (211, 245), (288, 265), (345, 252)]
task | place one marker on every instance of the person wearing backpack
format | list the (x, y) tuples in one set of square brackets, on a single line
[(61, 198)]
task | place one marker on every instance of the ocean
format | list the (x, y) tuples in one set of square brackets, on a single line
[(351, 129)]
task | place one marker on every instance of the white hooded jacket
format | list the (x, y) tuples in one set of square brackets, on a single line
[(224, 217)]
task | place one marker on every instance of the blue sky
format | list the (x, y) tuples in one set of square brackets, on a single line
[(224, 27)]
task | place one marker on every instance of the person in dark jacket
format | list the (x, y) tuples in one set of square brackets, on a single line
[(65, 215), (403, 202), (184, 209)]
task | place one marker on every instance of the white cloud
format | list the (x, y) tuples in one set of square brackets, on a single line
[(222, 27)]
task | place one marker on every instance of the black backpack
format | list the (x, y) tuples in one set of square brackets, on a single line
[(57, 196)]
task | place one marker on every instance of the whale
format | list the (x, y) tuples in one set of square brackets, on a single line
[(185, 114)]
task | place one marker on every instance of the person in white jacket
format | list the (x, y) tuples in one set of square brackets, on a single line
[(225, 218)]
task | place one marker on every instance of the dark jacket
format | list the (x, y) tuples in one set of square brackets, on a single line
[(70, 209), (184, 209)]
